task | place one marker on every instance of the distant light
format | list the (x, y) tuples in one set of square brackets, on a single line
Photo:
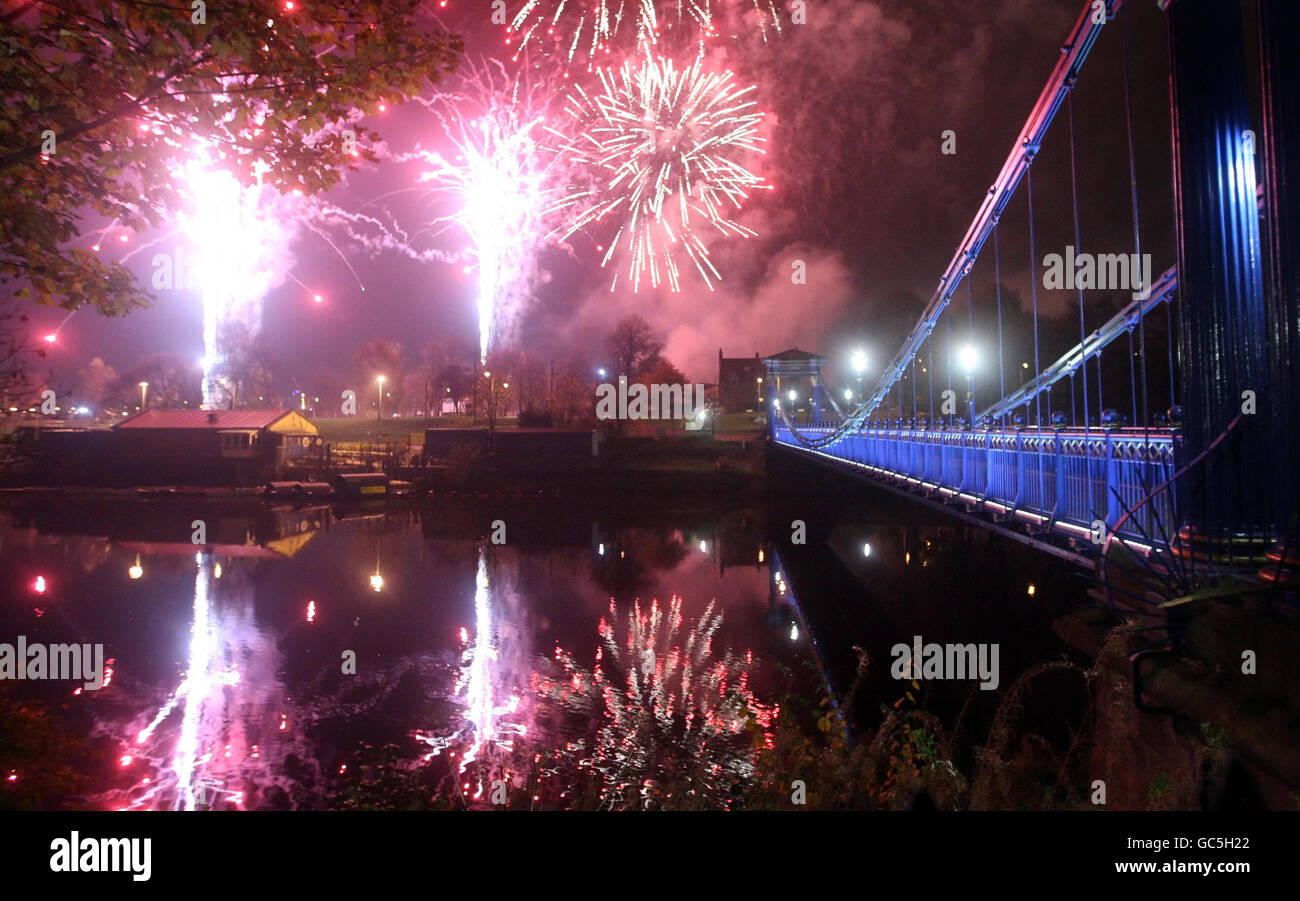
[(51, 338), (866, 549), (794, 632), (848, 394), (39, 585), (318, 298), (704, 547), (377, 582), (1031, 590), (600, 372), (907, 558), (760, 555), (859, 361), (311, 611), (216, 571), (136, 570), (123, 239), (793, 395), (600, 549)]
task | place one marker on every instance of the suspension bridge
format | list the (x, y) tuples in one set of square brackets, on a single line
[(1064, 459)]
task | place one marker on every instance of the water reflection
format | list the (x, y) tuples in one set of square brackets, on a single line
[(204, 742), (604, 659)]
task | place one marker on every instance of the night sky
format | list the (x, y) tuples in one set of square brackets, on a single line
[(856, 101)]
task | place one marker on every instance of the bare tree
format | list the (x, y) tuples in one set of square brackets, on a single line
[(632, 344)]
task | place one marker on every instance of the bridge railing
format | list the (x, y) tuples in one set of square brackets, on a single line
[(1066, 478)]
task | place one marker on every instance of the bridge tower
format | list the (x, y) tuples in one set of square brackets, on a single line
[(1279, 159), (792, 365), (1223, 322)]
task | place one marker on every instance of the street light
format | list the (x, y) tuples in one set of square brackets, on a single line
[(969, 359), (144, 393), (379, 411), (859, 367)]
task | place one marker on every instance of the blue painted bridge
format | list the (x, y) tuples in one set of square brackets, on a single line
[(1066, 480), (1212, 478)]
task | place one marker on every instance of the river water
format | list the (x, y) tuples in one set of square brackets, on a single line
[(531, 653)]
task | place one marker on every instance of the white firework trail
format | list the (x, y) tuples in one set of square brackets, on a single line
[(500, 180)]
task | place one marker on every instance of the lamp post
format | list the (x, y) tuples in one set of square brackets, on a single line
[(144, 394), (379, 411)]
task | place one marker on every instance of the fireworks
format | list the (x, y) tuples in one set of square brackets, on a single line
[(660, 150), (500, 181), (242, 251), (585, 30)]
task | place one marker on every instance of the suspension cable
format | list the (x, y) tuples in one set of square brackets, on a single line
[(1033, 285), (1137, 231), (1078, 248), (997, 277)]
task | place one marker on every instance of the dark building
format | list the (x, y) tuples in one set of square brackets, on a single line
[(181, 447), (223, 447), (518, 450), (740, 383)]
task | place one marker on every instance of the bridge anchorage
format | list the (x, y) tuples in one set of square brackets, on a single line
[(1168, 466)]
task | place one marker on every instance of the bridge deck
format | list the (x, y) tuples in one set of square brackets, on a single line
[(1067, 480)]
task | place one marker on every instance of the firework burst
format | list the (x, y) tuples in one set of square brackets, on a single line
[(500, 179), (585, 30), (659, 149)]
